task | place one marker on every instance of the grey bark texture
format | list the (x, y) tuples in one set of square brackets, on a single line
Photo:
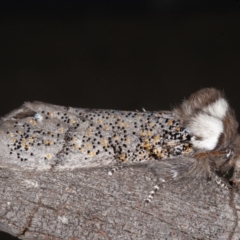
[(89, 204), (44, 196)]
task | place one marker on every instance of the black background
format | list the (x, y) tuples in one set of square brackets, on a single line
[(117, 54)]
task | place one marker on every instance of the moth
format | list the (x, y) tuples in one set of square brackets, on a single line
[(198, 138)]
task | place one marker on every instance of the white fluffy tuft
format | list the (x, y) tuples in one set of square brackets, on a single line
[(207, 129), (217, 109), (207, 126)]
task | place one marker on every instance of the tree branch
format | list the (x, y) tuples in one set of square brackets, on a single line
[(89, 204)]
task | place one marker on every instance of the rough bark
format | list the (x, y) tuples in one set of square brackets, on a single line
[(89, 204)]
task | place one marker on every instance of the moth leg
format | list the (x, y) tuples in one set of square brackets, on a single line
[(115, 169), (151, 195), (149, 198), (220, 181), (121, 158), (167, 171)]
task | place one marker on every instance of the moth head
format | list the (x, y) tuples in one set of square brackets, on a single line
[(210, 120)]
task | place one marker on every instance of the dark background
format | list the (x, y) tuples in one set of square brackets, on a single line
[(117, 54)]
